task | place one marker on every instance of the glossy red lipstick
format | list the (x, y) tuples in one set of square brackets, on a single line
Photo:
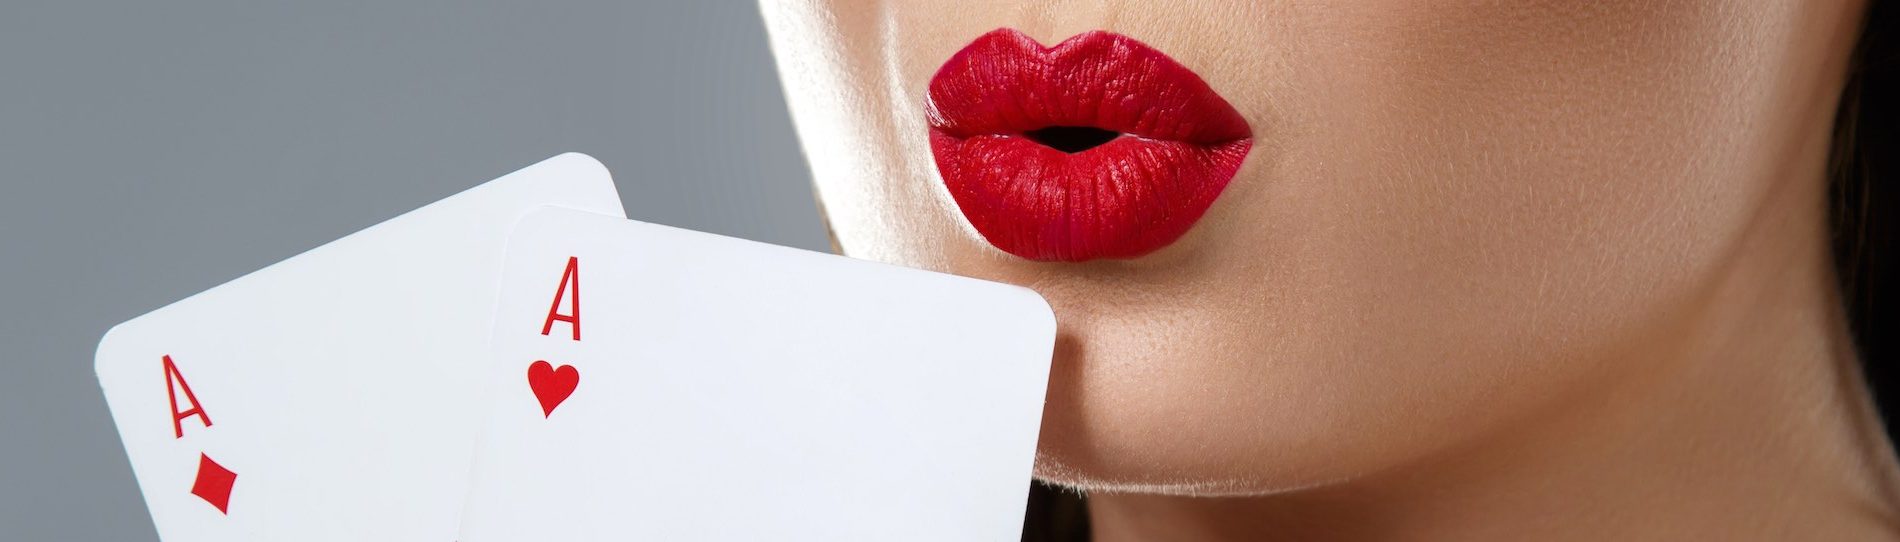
[(1097, 147)]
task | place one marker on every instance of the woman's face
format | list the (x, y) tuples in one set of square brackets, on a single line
[(1450, 216)]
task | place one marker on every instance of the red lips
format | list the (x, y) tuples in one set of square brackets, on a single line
[(1098, 147)]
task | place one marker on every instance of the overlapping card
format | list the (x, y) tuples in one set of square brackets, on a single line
[(519, 362)]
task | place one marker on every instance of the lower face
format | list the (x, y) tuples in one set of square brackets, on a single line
[(1448, 216)]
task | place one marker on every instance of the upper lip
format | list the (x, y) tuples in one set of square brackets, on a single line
[(1102, 80), (1155, 147)]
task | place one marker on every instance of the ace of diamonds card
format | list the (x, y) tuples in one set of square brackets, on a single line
[(334, 395)]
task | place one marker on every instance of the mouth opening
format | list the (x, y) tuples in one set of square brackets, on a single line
[(1071, 139)]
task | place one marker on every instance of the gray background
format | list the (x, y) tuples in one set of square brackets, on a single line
[(149, 150)]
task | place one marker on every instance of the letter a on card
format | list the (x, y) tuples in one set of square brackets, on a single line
[(569, 289)]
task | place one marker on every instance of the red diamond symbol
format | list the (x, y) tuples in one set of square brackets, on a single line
[(214, 483)]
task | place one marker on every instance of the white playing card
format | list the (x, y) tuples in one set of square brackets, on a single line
[(334, 395), (709, 388)]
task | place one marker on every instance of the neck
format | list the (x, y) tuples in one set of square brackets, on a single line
[(1749, 420)]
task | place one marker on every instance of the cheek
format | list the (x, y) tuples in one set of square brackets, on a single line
[(1455, 217), (1493, 209), (1504, 177)]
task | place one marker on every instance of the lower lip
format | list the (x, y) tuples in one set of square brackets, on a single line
[(1179, 144)]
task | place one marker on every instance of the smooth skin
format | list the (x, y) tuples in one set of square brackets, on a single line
[(1535, 270)]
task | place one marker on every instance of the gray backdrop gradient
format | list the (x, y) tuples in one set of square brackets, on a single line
[(151, 150)]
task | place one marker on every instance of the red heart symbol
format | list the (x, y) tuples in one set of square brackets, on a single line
[(552, 385)]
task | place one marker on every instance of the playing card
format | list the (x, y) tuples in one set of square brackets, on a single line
[(334, 395), (652, 383)]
